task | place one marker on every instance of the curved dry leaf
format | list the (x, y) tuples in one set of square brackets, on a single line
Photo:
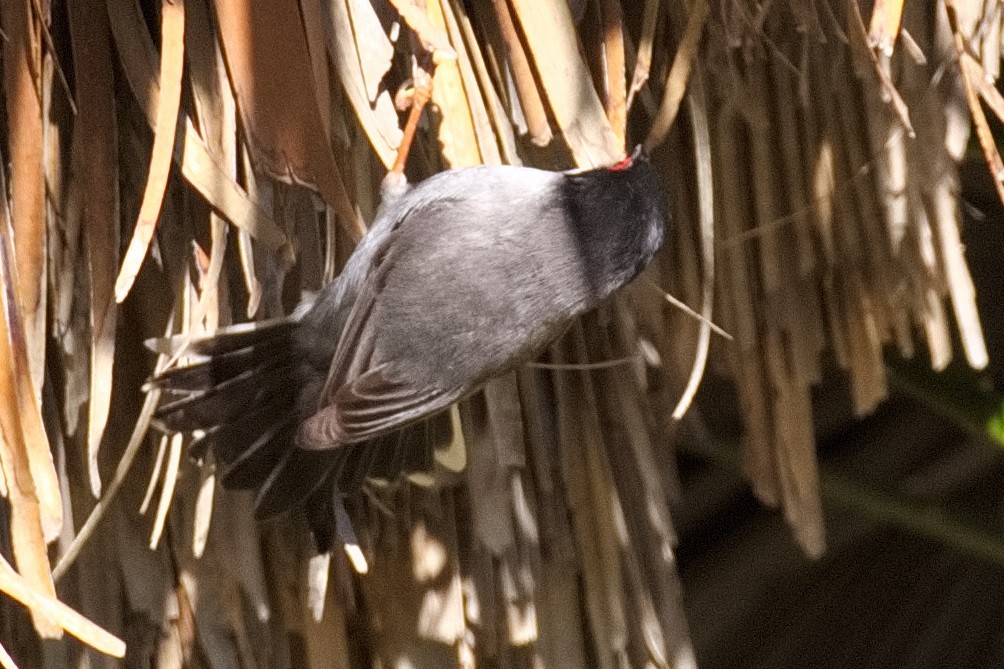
[(432, 37), (270, 68), (212, 180), (136, 440), (137, 54), (223, 194), (706, 211), (552, 38), (22, 64), (26, 513), (313, 28), (51, 608), (170, 481), (379, 120), (457, 138), (643, 60), (36, 443), (168, 104), (678, 76), (372, 44), (203, 508), (217, 113)]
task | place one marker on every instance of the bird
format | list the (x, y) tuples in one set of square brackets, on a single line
[(461, 278)]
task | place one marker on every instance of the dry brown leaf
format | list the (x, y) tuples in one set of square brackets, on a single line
[(457, 138), (22, 590), (270, 68), (203, 508), (884, 25), (313, 29), (6, 661), (859, 42), (172, 65), (26, 514), (170, 480), (36, 442), (378, 117), (373, 45), (643, 61), (530, 101), (137, 53), (95, 157), (551, 35), (697, 104), (495, 134), (223, 193), (212, 180), (591, 499), (217, 114), (613, 55), (136, 441), (22, 63), (679, 75), (430, 34), (479, 100)]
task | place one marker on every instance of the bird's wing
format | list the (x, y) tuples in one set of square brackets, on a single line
[(369, 406), (364, 398)]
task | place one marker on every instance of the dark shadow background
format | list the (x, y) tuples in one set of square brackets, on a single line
[(881, 596)]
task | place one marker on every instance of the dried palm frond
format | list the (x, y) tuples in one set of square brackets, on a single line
[(810, 153)]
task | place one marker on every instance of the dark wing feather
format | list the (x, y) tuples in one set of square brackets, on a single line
[(294, 479), (369, 406), (256, 461), (223, 366), (363, 399)]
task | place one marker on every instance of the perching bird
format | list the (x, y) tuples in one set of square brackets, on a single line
[(461, 278)]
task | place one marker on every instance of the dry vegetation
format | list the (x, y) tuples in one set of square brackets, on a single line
[(171, 167)]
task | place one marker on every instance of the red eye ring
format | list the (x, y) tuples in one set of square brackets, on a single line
[(622, 164)]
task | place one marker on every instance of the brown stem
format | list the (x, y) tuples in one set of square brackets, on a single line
[(420, 98)]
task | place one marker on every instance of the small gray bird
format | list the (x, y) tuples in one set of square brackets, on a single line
[(461, 278)]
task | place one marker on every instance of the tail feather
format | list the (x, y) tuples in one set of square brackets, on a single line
[(319, 508), (225, 339), (229, 440), (222, 366), (242, 395), (256, 460), (229, 400), (244, 399), (293, 481), (358, 463), (389, 455)]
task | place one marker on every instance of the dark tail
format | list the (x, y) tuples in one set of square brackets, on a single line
[(240, 396), (245, 396)]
